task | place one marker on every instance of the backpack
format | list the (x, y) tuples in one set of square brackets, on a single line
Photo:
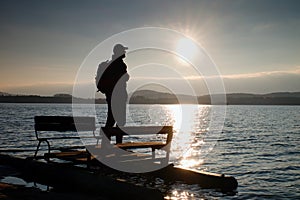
[(100, 80)]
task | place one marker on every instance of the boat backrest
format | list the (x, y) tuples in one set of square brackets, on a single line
[(64, 123)]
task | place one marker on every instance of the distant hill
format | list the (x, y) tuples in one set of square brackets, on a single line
[(154, 97), (150, 96), (4, 94), (57, 98), (280, 98), (63, 95)]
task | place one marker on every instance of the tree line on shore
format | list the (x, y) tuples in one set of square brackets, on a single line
[(154, 97)]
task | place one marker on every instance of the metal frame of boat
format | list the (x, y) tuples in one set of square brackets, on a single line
[(170, 172)]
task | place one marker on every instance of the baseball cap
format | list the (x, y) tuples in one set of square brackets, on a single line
[(119, 48)]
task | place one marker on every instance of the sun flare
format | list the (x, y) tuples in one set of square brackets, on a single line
[(187, 49)]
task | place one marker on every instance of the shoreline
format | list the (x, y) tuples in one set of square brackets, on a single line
[(152, 98)]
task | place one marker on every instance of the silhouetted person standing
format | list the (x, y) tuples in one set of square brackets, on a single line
[(116, 78)]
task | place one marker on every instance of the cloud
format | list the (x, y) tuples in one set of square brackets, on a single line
[(263, 74), (264, 84), (259, 82), (295, 71)]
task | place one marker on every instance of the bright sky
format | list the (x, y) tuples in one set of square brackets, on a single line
[(254, 43)]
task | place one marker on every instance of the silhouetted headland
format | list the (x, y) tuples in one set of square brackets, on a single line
[(154, 97)]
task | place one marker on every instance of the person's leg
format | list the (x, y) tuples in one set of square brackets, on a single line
[(120, 108), (110, 121)]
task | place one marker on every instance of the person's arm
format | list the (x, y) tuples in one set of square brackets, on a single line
[(124, 73), (126, 76)]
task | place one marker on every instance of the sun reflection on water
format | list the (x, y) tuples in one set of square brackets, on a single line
[(190, 123), (190, 163), (176, 195)]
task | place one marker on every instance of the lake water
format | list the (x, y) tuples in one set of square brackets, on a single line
[(258, 145)]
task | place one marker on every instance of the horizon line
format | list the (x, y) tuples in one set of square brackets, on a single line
[(68, 94)]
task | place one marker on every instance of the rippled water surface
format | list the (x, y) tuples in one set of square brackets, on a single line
[(258, 145)]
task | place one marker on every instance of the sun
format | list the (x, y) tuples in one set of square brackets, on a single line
[(187, 49)]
